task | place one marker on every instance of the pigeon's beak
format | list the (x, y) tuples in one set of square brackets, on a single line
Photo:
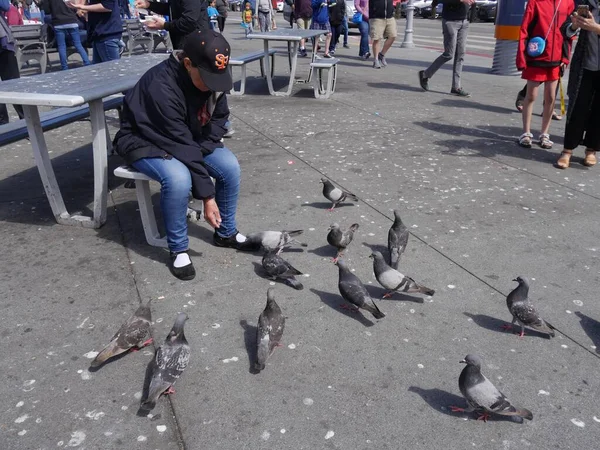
[(371, 256), (462, 361), (514, 279)]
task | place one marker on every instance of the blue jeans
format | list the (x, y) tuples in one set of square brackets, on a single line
[(61, 43), (106, 50), (345, 30), (176, 183), (363, 27)]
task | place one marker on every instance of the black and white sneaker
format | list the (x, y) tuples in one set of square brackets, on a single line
[(185, 269), (236, 240)]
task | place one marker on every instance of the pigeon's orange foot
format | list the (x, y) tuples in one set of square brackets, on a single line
[(134, 349), (388, 294), (169, 391), (506, 327), (521, 334), (348, 308), (456, 409), (148, 342), (484, 416), (334, 260)]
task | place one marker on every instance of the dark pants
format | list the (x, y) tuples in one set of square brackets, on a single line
[(221, 22), (9, 69), (584, 114), (336, 32)]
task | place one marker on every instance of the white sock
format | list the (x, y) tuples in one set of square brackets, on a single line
[(182, 260), (240, 238)]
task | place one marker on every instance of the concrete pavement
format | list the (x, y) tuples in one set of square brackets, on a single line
[(481, 211)]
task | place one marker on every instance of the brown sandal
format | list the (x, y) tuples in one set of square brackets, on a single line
[(564, 160), (590, 158)]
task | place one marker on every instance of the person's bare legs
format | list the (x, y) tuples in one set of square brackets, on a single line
[(327, 43), (376, 48), (549, 99), (532, 91), (386, 46)]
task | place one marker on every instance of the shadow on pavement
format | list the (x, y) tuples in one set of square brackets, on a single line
[(377, 293), (470, 104), (250, 342), (591, 328), (334, 301), (493, 324)]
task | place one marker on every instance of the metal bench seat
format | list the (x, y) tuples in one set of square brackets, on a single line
[(243, 60), (324, 87)]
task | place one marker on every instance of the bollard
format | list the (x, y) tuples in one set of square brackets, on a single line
[(408, 31), (508, 24)]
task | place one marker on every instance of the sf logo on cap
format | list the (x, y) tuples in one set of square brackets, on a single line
[(221, 61)]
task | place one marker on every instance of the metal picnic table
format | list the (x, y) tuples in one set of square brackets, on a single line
[(292, 36), (72, 88)]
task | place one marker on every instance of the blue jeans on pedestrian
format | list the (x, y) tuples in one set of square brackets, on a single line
[(61, 44), (345, 30), (106, 50), (176, 183), (363, 27)]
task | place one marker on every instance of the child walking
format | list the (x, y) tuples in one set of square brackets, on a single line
[(247, 18), (542, 55)]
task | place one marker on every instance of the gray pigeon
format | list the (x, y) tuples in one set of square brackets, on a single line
[(135, 332), (340, 239), (523, 310), (279, 268), (270, 240), (393, 280), (170, 361), (353, 291), (482, 394), (334, 194), (397, 240), (271, 323)]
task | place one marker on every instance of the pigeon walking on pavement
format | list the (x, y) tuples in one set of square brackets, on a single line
[(480, 393), (523, 310), (397, 240), (170, 361), (279, 268), (335, 194), (340, 239), (135, 332), (353, 291), (271, 323), (393, 280), (270, 240)]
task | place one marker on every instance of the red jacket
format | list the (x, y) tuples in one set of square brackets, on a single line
[(13, 17), (537, 20)]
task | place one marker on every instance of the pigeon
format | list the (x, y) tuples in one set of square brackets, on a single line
[(393, 280), (397, 240), (170, 361), (482, 394), (523, 310), (340, 239), (133, 333), (279, 268), (353, 291), (271, 240), (334, 194), (271, 323)]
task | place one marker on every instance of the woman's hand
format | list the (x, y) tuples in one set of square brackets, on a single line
[(585, 23), (154, 23), (211, 213), (145, 4)]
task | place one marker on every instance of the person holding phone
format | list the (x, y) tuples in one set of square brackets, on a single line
[(583, 112)]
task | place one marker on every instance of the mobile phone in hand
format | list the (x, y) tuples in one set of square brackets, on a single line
[(583, 11)]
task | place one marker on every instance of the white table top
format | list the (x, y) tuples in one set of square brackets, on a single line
[(287, 34), (78, 86)]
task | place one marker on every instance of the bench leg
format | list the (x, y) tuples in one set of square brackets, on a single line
[(242, 81), (142, 188), (100, 145), (44, 165)]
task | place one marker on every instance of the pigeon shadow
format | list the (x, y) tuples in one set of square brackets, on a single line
[(493, 324), (378, 248), (441, 401), (334, 301), (591, 328), (324, 250), (324, 205), (110, 361), (377, 292), (142, 411), (250, 343)]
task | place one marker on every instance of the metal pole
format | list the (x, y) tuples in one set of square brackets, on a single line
[(408, 31)]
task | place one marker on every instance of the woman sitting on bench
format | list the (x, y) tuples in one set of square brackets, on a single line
[(172, 125)]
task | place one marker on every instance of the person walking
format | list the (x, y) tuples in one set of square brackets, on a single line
[(264, 11), (320, 21), (337, 12), (303, 13), (542, 54), (66, 26), (104, 28), (382, 25), (583, 90), (223, 9), (362, 7), (9, 68), (455, 27)]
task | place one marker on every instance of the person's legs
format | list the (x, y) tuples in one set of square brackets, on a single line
[(61, 45), (450, 31), (337, 31), (592, 131), (221, 22), (9, 69), (390, 33), (363, 28), (106, 51), (549, 98), (345, 31), (459, 57), (302, 25), (223, 166), (376, 30), (76, 38), (327, 43), (532, 91)]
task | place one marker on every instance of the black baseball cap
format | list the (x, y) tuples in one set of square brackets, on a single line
[(209, 51)]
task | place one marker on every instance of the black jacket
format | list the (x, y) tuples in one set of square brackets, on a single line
[(337, 11), (60, 12), (454, 10), (185, 16), (161, 118), (381, 9)]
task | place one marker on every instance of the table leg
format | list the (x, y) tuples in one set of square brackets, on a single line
[(100, 145), (267, 63), (294, 57), (289, 45), (312, 60)]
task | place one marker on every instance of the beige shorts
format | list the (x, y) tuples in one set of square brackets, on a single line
[(303, 24), (382, 28)]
